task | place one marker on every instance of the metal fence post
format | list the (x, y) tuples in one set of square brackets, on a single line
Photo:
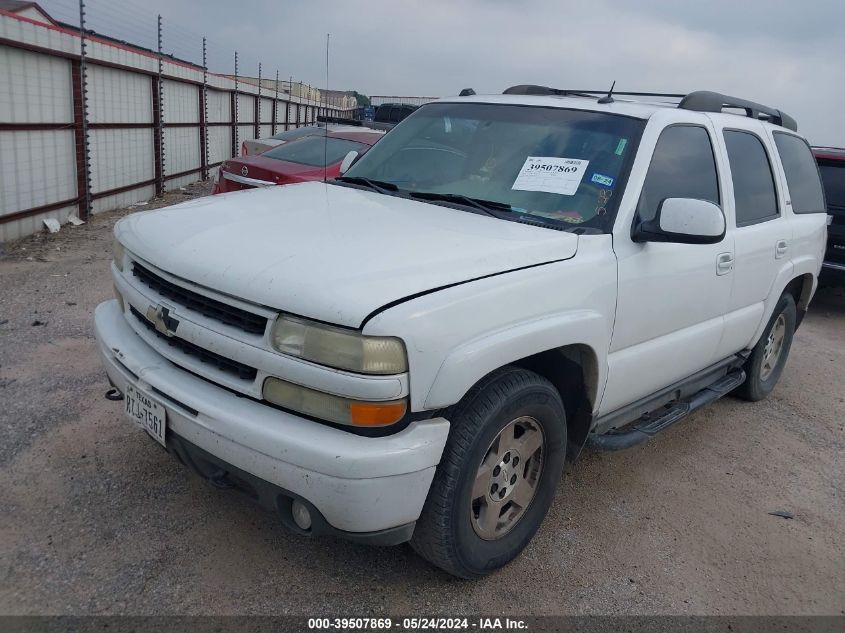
[(80, 116), (204, 115), (258, 106), (158, 110), (235, 111), (290, 105), (276, 104)]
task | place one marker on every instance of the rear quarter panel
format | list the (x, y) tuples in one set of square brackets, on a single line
[(807, 245)]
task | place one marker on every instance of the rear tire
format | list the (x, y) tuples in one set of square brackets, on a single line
[(768, 358), (497, 477)]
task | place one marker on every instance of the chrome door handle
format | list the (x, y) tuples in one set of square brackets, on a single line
[(781, 249), (724, 263)]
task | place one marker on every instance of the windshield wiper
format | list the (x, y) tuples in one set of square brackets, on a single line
[(377, 185), (489, 207)]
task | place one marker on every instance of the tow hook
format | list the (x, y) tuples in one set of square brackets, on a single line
[(220, 479), (114, 394)]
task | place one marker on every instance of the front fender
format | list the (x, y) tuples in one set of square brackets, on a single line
[(469, 362), (458, 335)]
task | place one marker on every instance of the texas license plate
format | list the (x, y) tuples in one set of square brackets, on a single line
[(146, 413)]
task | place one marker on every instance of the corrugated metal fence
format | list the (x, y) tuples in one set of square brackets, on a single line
[(138, 125)]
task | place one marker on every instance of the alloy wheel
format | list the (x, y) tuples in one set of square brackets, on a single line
[(507, 478)]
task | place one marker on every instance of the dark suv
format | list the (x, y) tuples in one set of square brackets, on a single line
[(832, 167), (389, 114)]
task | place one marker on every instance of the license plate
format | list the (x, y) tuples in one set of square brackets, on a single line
[(146, 413)]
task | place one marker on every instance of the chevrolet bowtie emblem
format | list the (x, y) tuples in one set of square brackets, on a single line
[(160, 317)]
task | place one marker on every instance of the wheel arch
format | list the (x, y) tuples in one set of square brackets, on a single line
[(574, 372), (801, 288), (801, 285)]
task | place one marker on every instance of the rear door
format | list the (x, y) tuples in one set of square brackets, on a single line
[(762, 232)]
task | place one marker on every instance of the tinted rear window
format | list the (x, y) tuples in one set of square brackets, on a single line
[(314, 150), (802, 175), (833, 178)]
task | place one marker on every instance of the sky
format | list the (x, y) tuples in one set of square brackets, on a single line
[(786, 54)]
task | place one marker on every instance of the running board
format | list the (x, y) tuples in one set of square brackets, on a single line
[(651, 424)]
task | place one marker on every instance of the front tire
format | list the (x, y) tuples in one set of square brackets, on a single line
[(497, 476), (768, 358)]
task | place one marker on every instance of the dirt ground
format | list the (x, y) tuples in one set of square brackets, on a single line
[(96, 519)]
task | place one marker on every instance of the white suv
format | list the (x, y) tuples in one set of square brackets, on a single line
[(412, 351)]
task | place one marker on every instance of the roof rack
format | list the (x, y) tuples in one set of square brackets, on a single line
[(699, 101)]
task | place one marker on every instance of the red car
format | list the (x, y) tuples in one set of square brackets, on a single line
[(308, 158)]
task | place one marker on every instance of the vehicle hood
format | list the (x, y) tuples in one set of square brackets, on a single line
[(331, 252)]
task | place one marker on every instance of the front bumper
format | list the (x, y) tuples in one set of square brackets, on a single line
[(367, 487)]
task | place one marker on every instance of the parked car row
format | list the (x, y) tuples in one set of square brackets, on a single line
[(386, 117), (258, 145), (315, 155)]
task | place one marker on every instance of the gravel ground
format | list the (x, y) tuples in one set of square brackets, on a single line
[(96, 519)]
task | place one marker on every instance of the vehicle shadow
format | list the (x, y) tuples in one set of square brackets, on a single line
[(829, 299)]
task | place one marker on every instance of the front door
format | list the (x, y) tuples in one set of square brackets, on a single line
[(672, 297)]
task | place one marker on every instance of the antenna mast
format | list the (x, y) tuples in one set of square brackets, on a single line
[(325, 123)]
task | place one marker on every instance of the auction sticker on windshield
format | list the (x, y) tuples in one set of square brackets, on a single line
[(551, 174)]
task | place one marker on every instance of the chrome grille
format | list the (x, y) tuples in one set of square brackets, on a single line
[(244, 372), (208, 307)]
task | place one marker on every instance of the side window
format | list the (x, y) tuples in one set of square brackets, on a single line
[(802, 175), (754, 184), (682, 166)]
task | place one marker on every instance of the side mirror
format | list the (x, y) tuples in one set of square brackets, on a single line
[(347, 161), (683, 221)]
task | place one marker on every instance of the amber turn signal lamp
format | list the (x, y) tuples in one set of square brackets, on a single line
[(376, 413)]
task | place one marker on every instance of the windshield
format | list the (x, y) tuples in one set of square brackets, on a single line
[(315, 150), (550, 164)]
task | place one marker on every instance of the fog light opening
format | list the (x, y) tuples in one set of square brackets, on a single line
[(301, 515)]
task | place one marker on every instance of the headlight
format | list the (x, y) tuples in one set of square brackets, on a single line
[(119, 253), (339, 348), (331, 408)]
